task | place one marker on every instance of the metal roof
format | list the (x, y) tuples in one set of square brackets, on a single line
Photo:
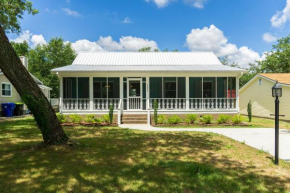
[(146, 58), (146, 62), (145, 68)]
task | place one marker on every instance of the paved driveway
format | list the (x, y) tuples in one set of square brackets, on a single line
[(259, 138)]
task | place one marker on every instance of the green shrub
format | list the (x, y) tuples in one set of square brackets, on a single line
[(61, 117), (206, 119), (237, 119), (223, 119), (161, 119), (174, 119), (191, 118), (75, 118), (249, 109), (155, 106), (98, 120), (111, 114), (89, 118), (106, 118)]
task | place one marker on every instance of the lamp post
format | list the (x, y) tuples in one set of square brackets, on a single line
[(277, 93)]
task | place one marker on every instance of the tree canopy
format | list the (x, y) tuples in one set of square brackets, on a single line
[(10, 13), (21, 49)]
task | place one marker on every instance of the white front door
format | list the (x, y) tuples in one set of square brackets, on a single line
[(134, 93)]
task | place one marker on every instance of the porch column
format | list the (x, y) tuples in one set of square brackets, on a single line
[(187, 92), (60, 93), (91, 90), (121, 87), (237, 93), (147, 92)]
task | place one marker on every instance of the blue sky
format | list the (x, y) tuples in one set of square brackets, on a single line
[(240, 29)]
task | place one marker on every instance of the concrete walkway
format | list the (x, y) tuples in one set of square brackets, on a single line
[(259, 138)]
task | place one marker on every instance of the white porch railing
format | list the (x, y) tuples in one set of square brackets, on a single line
[(76, 104), (194, 103), (168, 103), (104, 103)]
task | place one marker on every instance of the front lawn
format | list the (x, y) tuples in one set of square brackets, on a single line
[(120, 160)]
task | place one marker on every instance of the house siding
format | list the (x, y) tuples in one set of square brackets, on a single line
[(15, 96), (262, 101)]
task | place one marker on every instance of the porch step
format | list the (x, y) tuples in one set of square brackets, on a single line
[(134, 119)]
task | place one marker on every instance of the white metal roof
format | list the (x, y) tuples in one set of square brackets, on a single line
[(146, 58)]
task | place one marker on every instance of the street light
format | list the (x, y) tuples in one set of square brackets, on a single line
[(277, 93)]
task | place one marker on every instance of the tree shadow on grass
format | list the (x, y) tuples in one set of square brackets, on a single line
[(117, 160)]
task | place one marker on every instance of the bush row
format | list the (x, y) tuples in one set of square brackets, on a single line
[(74, 118), (204, 119)]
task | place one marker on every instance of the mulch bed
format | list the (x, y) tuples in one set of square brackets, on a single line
[(90, 124), (201, 125)]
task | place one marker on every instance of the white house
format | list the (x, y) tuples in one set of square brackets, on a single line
[(181, 82), (9, 93)]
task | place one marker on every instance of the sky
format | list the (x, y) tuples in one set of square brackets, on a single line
[(242, 30)]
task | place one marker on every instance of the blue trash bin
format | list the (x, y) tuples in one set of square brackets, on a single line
[(8, 109)]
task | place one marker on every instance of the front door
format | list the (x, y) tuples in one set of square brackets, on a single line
[(135, 93)]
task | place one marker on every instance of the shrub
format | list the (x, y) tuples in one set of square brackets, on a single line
[(249, 109), (161, 119), (106, 118), (61, 117), (223, 119), (89, 118), (155, 106), (174, 119), (98, 120), (237, 119), (111, 113), (190, 118), (206, 119), (75, 118)]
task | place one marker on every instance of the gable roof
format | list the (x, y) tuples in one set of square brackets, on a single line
[(283, 78), (146, 61)]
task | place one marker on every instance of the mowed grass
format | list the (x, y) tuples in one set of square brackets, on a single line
[(121, 160)]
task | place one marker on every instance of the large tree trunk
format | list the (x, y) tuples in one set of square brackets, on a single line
[(30, 93)]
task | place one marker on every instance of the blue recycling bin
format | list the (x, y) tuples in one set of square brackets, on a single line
[(8, 109)]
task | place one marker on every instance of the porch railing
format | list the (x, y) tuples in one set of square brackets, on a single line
[(76, 104), (104, 103), (168, 103)]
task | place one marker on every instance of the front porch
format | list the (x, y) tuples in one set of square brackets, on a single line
[(87, 95)]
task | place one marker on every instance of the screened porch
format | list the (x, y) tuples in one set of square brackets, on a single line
[(139, 93)]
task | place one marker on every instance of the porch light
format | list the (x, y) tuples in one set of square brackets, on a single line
[(277, 90)]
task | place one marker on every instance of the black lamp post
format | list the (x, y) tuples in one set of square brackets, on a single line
[(277, 93)]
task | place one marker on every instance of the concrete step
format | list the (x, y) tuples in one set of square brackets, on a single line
[(134, 122), (134, 118)]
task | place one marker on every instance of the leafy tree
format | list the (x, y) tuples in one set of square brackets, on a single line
[(225, 61), (11, 66), (46, 57), (21, 49), (145, 49)]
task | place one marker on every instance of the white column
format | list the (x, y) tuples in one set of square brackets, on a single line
[(237, 93), (187, 92), (147, 91), (121, 87), (91, 90), (60, 93)]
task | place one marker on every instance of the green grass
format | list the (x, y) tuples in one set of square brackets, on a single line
[(120, 160)]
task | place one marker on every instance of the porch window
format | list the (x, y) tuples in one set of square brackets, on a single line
[(155, 87), (83, 88), (209, 87), (70, 87), (100, 87), (221, 87), (106, 87), (195, 87), (231, 87), (169, 87)]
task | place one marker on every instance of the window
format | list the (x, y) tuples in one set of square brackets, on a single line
[(6, 90), (209, 87), (231, 87), (195, 87), (169, 87), (260, 81), (106, 87), (221, 87), (75, 87)]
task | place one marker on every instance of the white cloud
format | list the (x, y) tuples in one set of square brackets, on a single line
[(160, 3), (38, 40), (68, 1), (71, 13), (127, 20), (25, 36), (86, 46), (196, 3), (130, 43), (109, 44), (267, 37), (281, 17), (213, 39)]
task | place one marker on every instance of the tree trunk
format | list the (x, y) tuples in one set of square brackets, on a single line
[(30, 93)]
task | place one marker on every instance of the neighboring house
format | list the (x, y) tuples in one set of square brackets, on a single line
[(9, 93), (259, 91), (181, 82)]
